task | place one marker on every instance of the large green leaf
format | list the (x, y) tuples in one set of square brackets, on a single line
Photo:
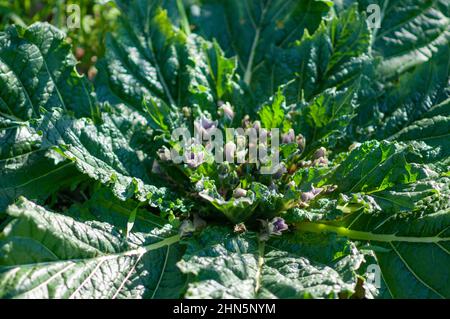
[(376, 166), (37, 70), (37, 73), (416, 251), (396, 197), (225, 265), (43, 144), (410, 32), (49, 255), (150, 60), (29, 168), (336, 55), (103, 153), (248, 29), (417, 93)]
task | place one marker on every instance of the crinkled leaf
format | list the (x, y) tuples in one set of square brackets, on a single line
[(336, 55), (49, 255), (260, 25), (151, 60), (37, 73), (416, 249), (224, 265)]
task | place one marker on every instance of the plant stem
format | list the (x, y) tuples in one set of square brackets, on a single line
[(365, 235)]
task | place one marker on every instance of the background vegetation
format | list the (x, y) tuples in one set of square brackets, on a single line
[(97, 18)]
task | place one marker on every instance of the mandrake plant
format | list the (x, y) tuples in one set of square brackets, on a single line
[(92, 204)]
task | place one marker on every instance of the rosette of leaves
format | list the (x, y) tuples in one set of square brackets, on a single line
[(92, 205)]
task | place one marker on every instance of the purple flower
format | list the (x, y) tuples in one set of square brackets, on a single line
[(275, 227), (164, 154), (320, 153), (204, 128), (193, 160), (239, 192), (278, 226), (288, 137), (207, 123), (309, 196)]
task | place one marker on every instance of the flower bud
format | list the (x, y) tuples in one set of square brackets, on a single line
[(164, 154), (316, 191), (186, 229), (320, 153), (156, 169), (227, 110), (193, 160), (186, 111), (354, 146), (257, 126), (205, 127), (301, 142), (246, 121), (280, 172), (240, 228), (278, 226), (307, 196), (239, 192), (288, 137), (322, 161)]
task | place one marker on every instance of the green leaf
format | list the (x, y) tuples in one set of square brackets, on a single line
[(151, 60), (103, 153), (414, 264), (272, 115), (424, 90), (37, 70), (48, 255), (434, 131), (37, 74), (375, 166), (323, 122), (411, 32), (248, 29), (43, 151), (224, 265), (29, 168), (335, 56)]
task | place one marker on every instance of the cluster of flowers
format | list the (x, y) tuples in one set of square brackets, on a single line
[(242, 147)]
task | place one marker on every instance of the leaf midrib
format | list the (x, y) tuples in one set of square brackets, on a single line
[(368, 236)]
